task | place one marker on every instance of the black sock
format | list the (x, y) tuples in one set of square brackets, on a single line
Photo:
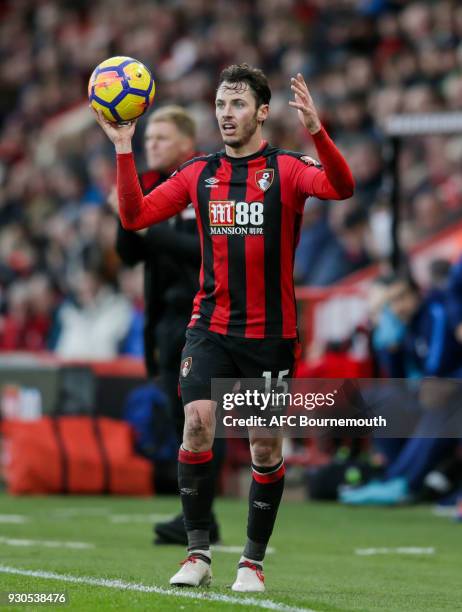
[(264, 498), (196, 485)]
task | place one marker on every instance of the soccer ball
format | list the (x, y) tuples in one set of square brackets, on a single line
[(122, 88)]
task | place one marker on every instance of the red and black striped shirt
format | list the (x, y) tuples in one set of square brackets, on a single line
[(249, 212)]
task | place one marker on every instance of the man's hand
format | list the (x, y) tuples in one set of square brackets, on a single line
[(120, 135), (304, 104)]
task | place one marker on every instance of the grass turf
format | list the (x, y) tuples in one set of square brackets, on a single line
[(314, 566)]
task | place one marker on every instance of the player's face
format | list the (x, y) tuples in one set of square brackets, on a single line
[(403, 300), (237, 115), (165, 146)]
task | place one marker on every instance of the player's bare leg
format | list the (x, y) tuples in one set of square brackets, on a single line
[(196, 485), (264, 499)]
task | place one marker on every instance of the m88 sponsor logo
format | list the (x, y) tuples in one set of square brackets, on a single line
[(235, 218)]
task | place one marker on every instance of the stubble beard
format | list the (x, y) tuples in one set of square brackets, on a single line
[(248, 131)]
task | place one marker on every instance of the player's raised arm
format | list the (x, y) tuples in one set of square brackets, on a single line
[(335, 180), (137, 211)]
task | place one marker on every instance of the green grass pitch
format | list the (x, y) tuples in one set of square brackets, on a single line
[(314, 565)]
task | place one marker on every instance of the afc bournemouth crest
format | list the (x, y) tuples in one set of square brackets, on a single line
[(264, 178), (186, 366)]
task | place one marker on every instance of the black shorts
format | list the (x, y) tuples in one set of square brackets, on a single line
[(208, 355)]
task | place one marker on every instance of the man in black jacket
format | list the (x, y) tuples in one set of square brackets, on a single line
[(171, 254)]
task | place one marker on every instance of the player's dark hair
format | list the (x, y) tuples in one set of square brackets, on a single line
[(253, 77), (405, 277)]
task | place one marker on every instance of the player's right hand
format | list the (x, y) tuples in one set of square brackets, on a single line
[(304, 104), (120, 135)]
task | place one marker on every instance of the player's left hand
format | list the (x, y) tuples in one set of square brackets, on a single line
[(304, 104)]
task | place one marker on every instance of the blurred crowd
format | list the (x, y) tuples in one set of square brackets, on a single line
[(363, 60), (416, 340)]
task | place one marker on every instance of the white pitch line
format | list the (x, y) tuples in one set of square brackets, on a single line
[(45, 543), (13, 518), (236, 549), (267, 604), (71, 512), (401, 550), (138, 518)]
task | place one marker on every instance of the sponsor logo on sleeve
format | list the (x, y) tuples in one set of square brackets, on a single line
[(310, 161)]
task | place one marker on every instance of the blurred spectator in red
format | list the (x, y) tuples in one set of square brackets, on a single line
[(30, 307)]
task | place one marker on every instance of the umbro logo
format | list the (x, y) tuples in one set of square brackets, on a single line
[(211, 182), (261, 505), (188, 491)]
